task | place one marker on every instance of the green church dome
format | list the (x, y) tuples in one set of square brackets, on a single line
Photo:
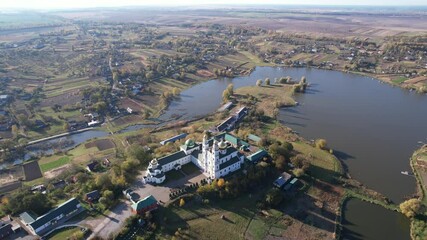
[(189, 143)]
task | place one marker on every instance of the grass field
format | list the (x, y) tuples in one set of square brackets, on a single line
[(399, 80), (324, 165), (55, 164), (269, 97), (223, 219), (63, 234)]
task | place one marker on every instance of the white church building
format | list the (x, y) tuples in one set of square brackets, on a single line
[(216, 157)]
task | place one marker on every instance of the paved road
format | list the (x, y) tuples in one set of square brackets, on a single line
[(107, 226)]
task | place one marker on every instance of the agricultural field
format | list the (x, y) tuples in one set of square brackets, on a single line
[(32, 171), (47, 166)]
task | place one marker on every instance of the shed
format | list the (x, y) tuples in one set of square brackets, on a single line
[(257, 156)]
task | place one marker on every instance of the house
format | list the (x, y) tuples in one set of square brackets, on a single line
[(93, 196), (38, 188), (106, 162), (93, 123), (282, 180), (53, 218), (129, 110), (145, 205), (216, 157), (91, 166), (5, 229), (59, 184), (39, 124)]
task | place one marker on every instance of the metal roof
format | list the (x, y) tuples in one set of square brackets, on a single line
[(65, 208)]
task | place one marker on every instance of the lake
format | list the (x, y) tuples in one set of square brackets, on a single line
[(372, 127)]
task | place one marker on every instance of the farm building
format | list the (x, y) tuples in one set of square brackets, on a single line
[(145, 205), (53, 218)]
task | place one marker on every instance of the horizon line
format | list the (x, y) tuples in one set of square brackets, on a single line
[(208, 5)]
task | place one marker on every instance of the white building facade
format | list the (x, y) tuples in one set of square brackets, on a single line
[(215, 158)]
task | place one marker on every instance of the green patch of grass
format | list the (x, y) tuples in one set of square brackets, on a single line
[(258, 228), (64, 233), (204, 221), (324, 165), (174, 175), (189, 168), (399, 80), (55, 164), (276, 231)]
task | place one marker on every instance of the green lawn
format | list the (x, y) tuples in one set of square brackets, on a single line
[(399, 80), (173, 175), (189, 168), (55, 164), (62, 234), (324, 165), (203, 221)]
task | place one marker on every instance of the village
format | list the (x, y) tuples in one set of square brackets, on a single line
[(198, 163), (94, 143)]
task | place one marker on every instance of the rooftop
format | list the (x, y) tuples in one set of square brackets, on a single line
[(257, 155), (143, 203), (230, 162), (170, 158), (64, 208)]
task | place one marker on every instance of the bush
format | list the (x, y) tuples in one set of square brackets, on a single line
[(411, 207), (274, 197), (321, 143)]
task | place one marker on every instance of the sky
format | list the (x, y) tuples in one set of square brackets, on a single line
[(64, 4)]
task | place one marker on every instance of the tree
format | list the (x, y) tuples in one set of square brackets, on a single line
[(280, 163), (24, 201), (181, 202), (298, 172), (226, 95), (259, 82), (107, 198), (175, 91), (15, 131), (220, 183), (66, 126), (267, 81), (321, 143), (274, 197), (100, 107), (138, 152), (103, 181), (303, 79), (411, 207)]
